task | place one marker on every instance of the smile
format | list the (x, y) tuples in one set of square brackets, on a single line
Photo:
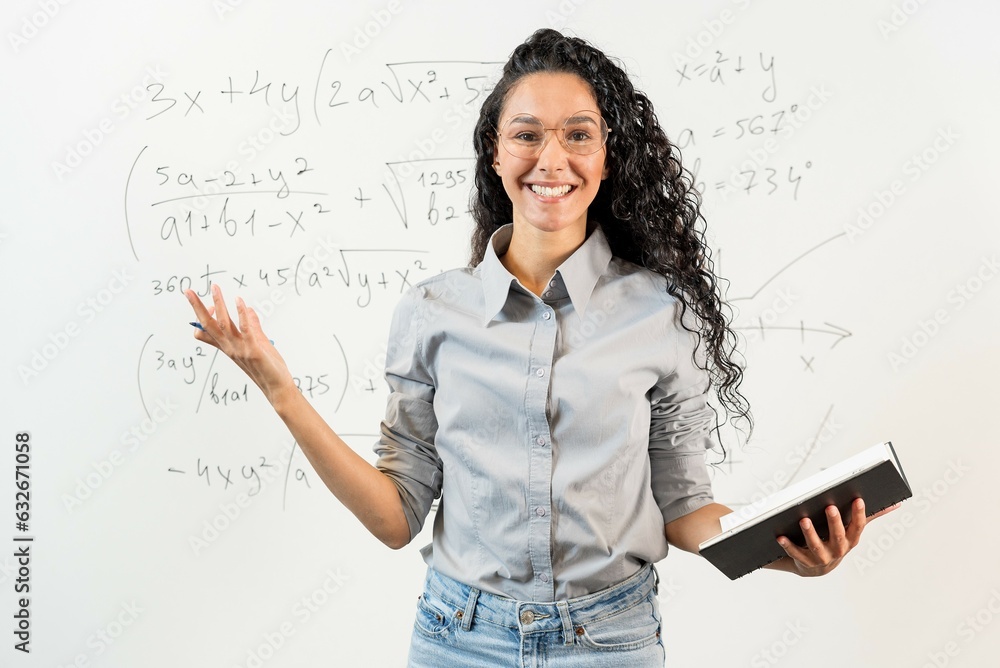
[(544, 191)]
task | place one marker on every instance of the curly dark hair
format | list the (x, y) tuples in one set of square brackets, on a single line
[(648, 207)]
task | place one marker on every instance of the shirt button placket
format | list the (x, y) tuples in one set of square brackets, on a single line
[(540, 475)]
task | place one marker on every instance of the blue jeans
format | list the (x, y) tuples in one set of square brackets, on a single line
[(460, 626)]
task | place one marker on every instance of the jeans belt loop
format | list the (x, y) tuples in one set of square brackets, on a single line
[(567, 623), (656, 580), (470, 609)]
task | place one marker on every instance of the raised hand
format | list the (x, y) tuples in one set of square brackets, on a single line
[(246, 345)]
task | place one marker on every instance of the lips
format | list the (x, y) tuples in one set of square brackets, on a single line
[(554, 191)]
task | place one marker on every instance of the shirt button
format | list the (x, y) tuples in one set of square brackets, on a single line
[(540, 511), (540, 372), (547, 293), (546, 315), (544, 577), (540, 440), (527, 617)]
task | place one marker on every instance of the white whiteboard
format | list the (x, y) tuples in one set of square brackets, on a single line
[(798, 118)]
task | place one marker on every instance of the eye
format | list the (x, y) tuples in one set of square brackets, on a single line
[(578, 135), (526, 136)]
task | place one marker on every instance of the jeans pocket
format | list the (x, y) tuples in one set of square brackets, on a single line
[(433, 616), (632, 628)]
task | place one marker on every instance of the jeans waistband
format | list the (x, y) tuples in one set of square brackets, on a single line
[(539, 617)]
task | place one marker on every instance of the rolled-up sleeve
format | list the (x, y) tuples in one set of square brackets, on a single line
[(680, 431), (405, 449)]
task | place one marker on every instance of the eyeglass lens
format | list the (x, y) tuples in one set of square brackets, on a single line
[(582, 133)]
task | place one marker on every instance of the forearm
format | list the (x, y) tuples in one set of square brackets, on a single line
[(689, 531), (362, 488)]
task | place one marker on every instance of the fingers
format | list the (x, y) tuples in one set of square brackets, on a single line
[(254, 322), (813, 541), (241, 314), (819, 556), (222, 313), (216, 325), (858, 521), (798, 554), (249, 322), (199, 309), (204, 317), (839, 542)]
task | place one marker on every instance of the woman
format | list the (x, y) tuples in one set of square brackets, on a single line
[(554, 392)]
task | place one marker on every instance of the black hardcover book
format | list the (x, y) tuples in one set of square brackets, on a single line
[(749, 535)]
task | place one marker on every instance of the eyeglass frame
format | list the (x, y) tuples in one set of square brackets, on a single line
[(559, 132)]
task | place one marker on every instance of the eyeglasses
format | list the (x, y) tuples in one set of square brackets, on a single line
[(583, 133)]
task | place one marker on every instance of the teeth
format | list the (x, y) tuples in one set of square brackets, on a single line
[(550, 192)]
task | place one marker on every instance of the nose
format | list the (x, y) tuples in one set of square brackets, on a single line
[(553, 155)]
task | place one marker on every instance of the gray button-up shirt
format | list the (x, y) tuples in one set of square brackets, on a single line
[(560, 431)]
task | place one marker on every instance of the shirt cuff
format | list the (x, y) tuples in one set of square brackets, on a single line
[(680, 485)]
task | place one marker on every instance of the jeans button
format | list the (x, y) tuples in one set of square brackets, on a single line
[(527, 617)]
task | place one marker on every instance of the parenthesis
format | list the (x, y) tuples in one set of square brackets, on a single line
[(138, 374), (319, 77), (297, 265), (347, 373), (128, 181)]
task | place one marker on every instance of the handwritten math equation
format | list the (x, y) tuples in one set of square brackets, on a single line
[(322, 97), (282, 219)]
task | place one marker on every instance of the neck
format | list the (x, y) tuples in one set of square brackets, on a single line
[(534, 255)]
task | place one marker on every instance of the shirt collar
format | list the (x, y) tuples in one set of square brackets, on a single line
[(579, 272)]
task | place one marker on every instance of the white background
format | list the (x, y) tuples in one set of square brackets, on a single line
[(144, 555)]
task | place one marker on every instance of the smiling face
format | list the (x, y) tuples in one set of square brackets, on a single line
[(551, 190)]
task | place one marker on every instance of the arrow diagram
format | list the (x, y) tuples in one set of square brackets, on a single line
[(839, 332)]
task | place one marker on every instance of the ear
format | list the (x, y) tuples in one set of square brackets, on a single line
[(496, 157)]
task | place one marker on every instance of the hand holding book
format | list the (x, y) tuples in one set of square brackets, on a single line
[(818, 556), (807, 518)]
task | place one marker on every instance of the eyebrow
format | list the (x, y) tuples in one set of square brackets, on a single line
[(525, 117), (522, 118)]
